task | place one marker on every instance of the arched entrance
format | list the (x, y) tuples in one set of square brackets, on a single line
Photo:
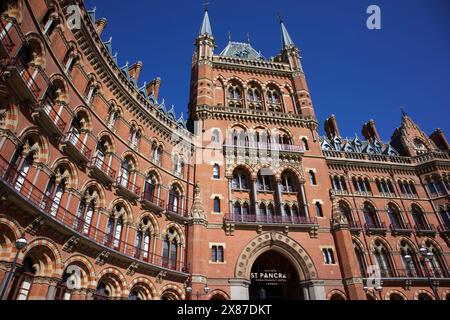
[(273, 277), (278, 254)]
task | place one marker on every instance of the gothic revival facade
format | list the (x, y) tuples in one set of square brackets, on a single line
[(105, 193)]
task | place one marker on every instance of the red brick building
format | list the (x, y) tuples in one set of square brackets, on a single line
[(106, 194)]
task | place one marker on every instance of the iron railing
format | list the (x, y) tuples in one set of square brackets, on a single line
[(74, 139), (153, 199), (100, 164), (127, 184), (270, 219), (44, 204)]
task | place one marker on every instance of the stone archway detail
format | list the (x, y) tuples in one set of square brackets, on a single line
[(274, 240)]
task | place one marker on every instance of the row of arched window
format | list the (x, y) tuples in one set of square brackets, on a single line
[(384, 186), (413, 265), (398, 221), (254, 98)]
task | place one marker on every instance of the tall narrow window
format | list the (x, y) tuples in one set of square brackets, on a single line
[(216, 171), (328, 256), (217, 205), (319, 210), (312, 178)]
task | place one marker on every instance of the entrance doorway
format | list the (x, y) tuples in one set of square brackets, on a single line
[(274, 277)]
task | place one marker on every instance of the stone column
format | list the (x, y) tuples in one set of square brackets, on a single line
[(239, 289), (305, 200), (346, 256), (255, 197), (314, 290)]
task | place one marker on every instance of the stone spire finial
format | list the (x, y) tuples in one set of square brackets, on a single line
[(198, 212)]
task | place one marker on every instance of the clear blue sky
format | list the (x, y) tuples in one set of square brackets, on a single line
[(352, 72)]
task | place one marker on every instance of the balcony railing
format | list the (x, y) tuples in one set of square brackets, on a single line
[(128, 186), (355, 226), (6, 40), (77, 147), (36, 199), (445, 229), (283, 220), (177, 210), (150, 199), (425, 229), (50, 115), (401, 229), (30, 81), (11, 38), (100, 166), (376, 227)]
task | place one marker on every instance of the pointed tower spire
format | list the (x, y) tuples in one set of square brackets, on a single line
[(287, 40), (206, 25)]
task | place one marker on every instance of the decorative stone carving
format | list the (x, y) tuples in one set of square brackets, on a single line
[(34, 226), (102, 257), (198, 211), (133, 268), (70, 245)]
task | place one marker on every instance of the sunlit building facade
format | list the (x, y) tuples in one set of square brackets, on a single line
[(107, 194)]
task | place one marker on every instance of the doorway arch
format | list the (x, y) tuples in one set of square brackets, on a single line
[(291, 251)]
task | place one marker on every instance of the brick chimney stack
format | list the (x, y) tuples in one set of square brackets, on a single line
[(153, 87), (100, 24), (440, 140), (370, 131), (135, 70), (331, 127)]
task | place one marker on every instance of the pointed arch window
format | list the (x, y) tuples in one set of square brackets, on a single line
[(383, 260), (170, 250), (240, 180)]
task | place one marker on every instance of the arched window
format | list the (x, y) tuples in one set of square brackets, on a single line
[(410, 260), (156, 153), (216, 171), (435, 262), (383, 260), (240, 180), (419, 218), (305, 144), (135, 137), (102, 292), (254, 98), (114, 115), (235, 95), (360, 260), (371, 216), (55, 191), (273, 98), (170, 249), (175, 200), (215, 136), (346, 212), (395, 217), (445, 216), (23, 281), (142, 245), (151, 189), (126, 173), (264, 183), (86, 210), (115, 226), (288, 183), (49, 22), (262, 210)]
